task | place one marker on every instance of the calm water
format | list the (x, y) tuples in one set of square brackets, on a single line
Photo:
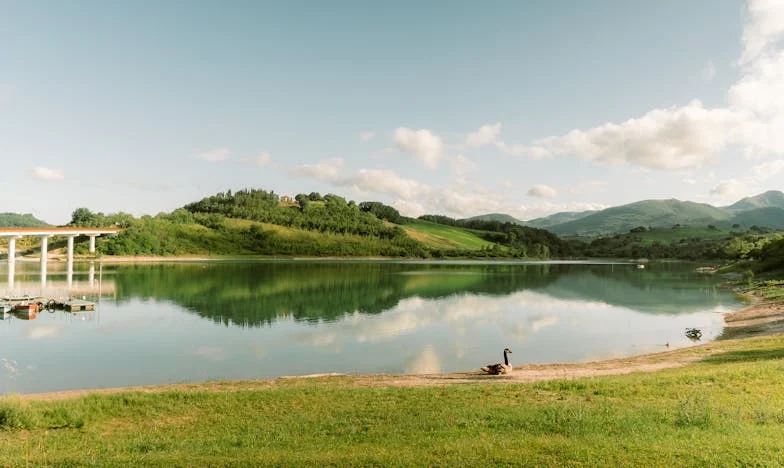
[(189, 322)]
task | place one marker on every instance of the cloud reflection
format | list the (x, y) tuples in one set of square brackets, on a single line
[(426, 362), (461, 314)]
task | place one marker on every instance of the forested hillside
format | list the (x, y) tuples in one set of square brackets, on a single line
[(262, 223)]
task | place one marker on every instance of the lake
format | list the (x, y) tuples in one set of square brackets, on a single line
[(179, 322)]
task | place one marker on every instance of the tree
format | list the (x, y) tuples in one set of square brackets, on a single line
[(83, 217)]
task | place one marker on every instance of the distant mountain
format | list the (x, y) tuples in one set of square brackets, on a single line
[(654, 213), (558, 218), (21, 220), (500, 217), (770, 216), (763, 210), (771, 198)]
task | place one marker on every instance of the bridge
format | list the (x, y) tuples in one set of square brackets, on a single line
[(12, 234)]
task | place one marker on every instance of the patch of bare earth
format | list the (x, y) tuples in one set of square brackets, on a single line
[(764, 318)]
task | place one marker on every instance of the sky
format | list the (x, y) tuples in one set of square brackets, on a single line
[(442, 107)]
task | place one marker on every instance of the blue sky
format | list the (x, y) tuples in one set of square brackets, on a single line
[(458, 108)]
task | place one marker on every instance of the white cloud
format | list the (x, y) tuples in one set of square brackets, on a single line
[(709, 71), (764, 28), (486, 135), (261, 159), (751, 184), (462, 165), (367, 136), (326, 170), (542, 191), (728, 189), (424, 145), (666, 139), (216, 155), (46, 174), (765, 171), (690, 136)]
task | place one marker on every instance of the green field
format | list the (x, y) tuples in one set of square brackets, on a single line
[(440, 236), (725, 410), (669, 235)]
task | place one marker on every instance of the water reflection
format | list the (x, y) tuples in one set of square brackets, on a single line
[(258, 294), (58, 279), (165, 323)]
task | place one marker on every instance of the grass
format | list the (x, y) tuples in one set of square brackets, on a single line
[(772, 290), (669, 235), (727, 409), (440, 236)]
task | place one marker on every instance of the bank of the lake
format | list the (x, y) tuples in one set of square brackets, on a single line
[(722, 405)]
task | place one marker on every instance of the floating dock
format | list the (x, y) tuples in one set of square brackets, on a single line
[(19, 303)]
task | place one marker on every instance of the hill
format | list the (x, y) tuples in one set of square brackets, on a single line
[(257, 222), (770, 217), (558, 218), (500, 217), (21, 220), (440, 236), (653, 213), (771, 198)]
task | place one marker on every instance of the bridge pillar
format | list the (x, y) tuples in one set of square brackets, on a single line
[(44, 258), (44, 248), (11, 250), (70, 247), (92, 243)]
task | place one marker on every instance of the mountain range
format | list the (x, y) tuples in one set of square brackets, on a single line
[(763, 210)]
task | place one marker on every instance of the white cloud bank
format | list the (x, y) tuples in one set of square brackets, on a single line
[(692, 135), (424, 145), (486, 135), (47, 174), (542, 191)]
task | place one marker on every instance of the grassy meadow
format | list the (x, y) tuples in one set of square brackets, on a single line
[(441, 236), (726, 409)]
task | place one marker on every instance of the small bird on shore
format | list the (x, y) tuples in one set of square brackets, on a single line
[(499, 368)]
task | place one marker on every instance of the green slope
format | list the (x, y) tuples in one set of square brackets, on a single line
[(21, 220), (500, 217), (770, 216), (440, 236), (558, 218), (655, 213)]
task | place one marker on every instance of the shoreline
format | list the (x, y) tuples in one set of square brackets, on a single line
[(759, 319)]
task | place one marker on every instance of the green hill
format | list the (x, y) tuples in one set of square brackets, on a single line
[(772, 217), (558, 218), (500, 217), (771, 198), (440, 236), (654, 213), (21, 220)]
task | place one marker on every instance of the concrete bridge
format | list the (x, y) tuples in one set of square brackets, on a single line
[(12, 234)]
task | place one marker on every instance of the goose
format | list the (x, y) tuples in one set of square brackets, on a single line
[(499, 368)]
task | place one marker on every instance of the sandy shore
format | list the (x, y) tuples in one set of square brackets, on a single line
[(759, 319)]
